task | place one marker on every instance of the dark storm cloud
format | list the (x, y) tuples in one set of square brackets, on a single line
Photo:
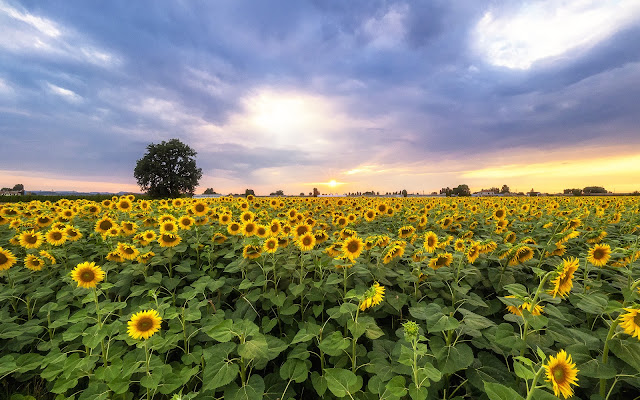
[(408, 66)]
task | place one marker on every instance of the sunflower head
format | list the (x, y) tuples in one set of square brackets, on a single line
[(562, 373), (599, 254), (630, 322), (87, 274), (144, 324), (563, 281), (372, 297)]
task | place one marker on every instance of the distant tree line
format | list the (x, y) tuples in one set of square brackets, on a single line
[(586, 190)]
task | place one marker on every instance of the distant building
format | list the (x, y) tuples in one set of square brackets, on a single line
[(485, 193), (204, 196), (12, 192)]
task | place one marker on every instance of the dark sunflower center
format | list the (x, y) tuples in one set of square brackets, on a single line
[(3, 259), (306, 241), (249, 228), (599, 254), (31, 239), (87, 276), (128, 250), (271, 245), (441, 261), (636, 319), (199, 207), (56, 235), (144, 324), (352, 247), (558, 374), (431, 242), (169, 238), (168, 227)]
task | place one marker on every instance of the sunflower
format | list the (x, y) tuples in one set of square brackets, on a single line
[(33, 263), (562, 373), (441, 260), (115, 256), (558, 251), (393, 252), (168, 226), (146, 257), (370, 215), (306, 242), (249, 229), (372, 297), (31, 239), (563, 282), (352, 247), (218, 238), (270, 245), (87, 274), (301, 230), (128, 251), (128, 227), (430, 242), (167, 239), (459, 245), (334, 250), (104, 224), (149, 236), (144, 324), (537, 310), (43, 221), (48, 256), (224, 218), (247, 216), (418, 256), (406, 231), (56, 237), (199, 208), (124, 205), (274, 228), (186, 222), (599, 255), (261, 231), (520, 254), (630, 322), (500, 213), (251, 252)]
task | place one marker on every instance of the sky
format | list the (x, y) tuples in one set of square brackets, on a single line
[(345, 96)]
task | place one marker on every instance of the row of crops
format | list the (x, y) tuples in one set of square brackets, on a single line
[(304, 298)]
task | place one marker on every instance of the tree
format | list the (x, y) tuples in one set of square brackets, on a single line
[(277, 193), (316, 192), (594, 189), (18, 187), (209, 191), (168, 169), (505, 189), (462, 190), (248, 192)]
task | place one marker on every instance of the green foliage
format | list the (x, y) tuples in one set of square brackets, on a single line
[(168, 169)]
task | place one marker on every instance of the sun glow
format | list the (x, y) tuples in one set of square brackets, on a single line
[(332, 183)]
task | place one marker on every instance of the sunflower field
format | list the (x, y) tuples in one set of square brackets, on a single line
[(305, 298)]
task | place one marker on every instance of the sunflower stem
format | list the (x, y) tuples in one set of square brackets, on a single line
[(534, 303), (605, 354), (353, 343), (99, 318), (147, 360), (534, 383)]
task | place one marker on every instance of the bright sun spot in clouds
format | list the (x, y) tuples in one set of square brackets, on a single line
[(332, 183), (550, 28)]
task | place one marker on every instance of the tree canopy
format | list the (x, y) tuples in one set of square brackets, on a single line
[(168, 169)]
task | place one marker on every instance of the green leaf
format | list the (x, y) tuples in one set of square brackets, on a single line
[(295, 369), (253, 390), (419, 393), (334, 344), (496, 391), (516, 289), (221, 332), (218, 369), (475, 321), (627, 350), (595, 369), (522, 371), (342, 382), (454, 358), (319, 383), (302, 336), (256, 348), (594, 303)]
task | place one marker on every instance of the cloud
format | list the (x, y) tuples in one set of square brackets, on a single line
[(518, 38), (66, 94)]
